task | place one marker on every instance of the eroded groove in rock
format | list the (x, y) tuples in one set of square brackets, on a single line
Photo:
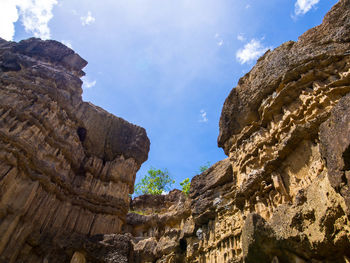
[(66, 166)]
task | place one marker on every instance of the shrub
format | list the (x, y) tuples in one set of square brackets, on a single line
[(205, 167), (186, 184), (155, 182)]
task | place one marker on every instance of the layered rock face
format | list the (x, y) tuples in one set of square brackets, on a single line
[(282, 195), (66, 166)]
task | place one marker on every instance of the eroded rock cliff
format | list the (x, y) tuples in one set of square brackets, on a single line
[(66, 166)]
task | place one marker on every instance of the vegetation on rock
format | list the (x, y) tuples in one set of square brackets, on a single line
[(186, 185), (203, 168), (155, 182), (137, 212)]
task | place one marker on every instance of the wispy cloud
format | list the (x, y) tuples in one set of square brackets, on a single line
[(241, 37), (247, 6), (304, 6), (67, 43), (34, 14), (203, 115), (87, 83), (251, 51), (220, 41), (88, 19)]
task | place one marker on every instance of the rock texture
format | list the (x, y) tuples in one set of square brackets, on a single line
[(66, 166), (159, 225)]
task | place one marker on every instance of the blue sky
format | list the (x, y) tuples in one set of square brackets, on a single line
[(165, 65)]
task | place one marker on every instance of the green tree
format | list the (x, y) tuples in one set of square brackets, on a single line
[(186, 184), (205, 167), (155, 182)]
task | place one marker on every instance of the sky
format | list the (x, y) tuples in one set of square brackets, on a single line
[(165, 65)]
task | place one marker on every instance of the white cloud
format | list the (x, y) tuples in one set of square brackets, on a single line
[(67, 43), (241, 37), (203, 115), (8, 16), (219, 42), (88, 19), (251, 51), (34, 14), (247, 6), (304, 6), (88, 84)]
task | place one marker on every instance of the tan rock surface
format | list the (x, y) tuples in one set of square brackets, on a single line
[(158, 224), (78, 258)]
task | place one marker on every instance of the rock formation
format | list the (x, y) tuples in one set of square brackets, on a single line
[(282, 195), (159, 225), (66, 166)]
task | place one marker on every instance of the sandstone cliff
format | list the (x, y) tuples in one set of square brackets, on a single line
[(66, 166), (282, 195)]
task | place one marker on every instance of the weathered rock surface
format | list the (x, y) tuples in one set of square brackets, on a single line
[(160, 225), (66, 166), (335, 148)]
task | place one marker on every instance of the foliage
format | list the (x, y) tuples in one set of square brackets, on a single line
[(205, 167), (155, 182), (186, 184), (137, 212)]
